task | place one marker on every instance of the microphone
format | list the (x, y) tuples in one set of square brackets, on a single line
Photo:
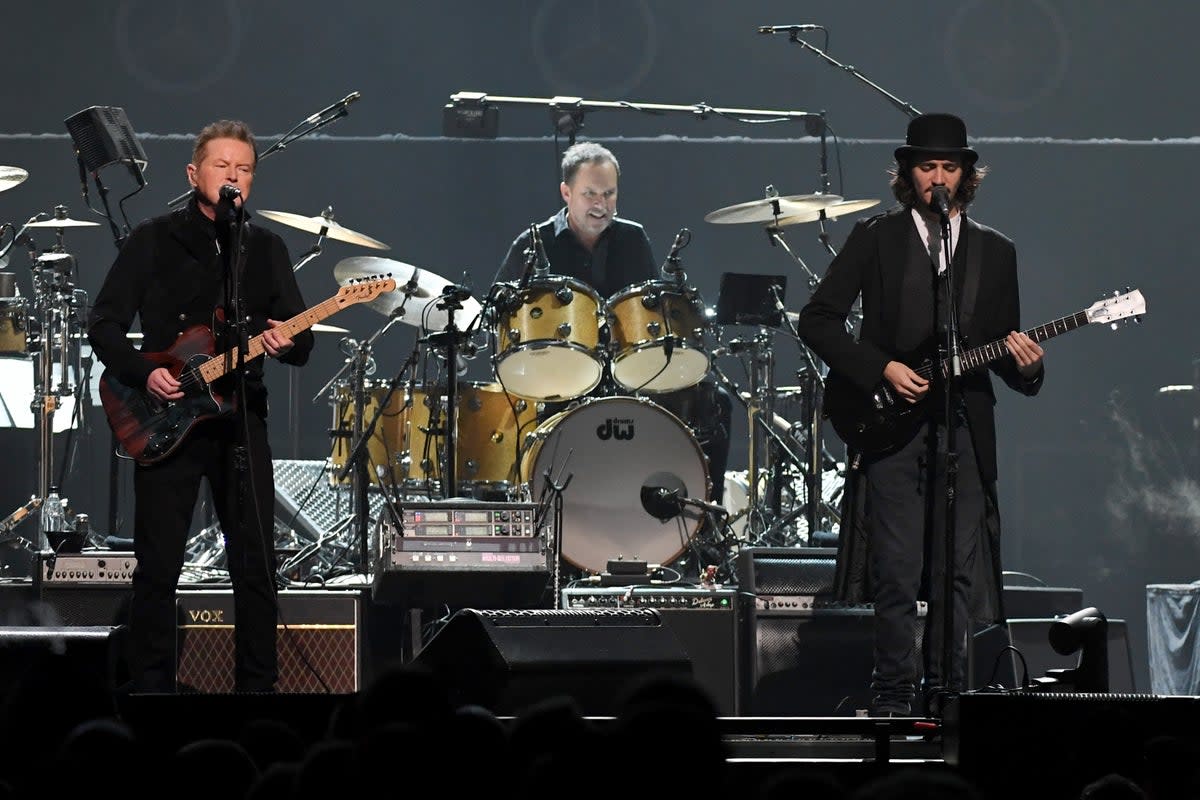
[(339, 106), (941, 200), (790, 28), (229, 192), (661, 503), (774, 290)]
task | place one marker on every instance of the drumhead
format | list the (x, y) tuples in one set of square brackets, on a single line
[(613, 447)]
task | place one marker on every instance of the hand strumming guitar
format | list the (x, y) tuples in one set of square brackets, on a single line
[(907, 383), (163, 386)]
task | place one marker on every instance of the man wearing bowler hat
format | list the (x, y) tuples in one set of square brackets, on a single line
[(891, 549)]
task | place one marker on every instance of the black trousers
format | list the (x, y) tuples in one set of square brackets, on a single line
[(906, 509), (165, 499)]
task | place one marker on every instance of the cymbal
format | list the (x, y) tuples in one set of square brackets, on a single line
[(418, 290), (325, 222), (834, 211), (11, 176), (770, 209), (321, 327), (62, 222)]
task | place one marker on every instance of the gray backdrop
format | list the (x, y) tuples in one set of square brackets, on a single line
[(1080, 109)]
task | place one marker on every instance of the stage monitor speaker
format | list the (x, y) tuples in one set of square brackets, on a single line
[(991, 664), (87, 654), (1031, 744), (317, 640), (815, 662), (507, 660), (792, 571)]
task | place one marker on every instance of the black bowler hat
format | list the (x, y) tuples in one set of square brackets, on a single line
[(937, 134)]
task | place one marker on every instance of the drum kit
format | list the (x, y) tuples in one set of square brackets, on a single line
[(42, 363), (575, 390)]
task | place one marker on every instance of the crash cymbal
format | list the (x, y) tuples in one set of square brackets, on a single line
[(326, 223), (834, 211), (11, 176), (321, 327), (418, 290), (770, 209)]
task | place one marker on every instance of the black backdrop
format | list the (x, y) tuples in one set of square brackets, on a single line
[(1080, 110)]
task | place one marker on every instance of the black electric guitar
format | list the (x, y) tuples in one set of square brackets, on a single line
[(149, 429), (879, 422)]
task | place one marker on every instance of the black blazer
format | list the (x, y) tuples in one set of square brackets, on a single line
[(872, 263)]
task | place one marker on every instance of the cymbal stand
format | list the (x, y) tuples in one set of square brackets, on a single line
[(356, 459), (54, 297), (448, 341)]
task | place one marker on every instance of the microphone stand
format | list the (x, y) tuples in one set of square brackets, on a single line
[(229, 219), (950, 385), (907, 108)]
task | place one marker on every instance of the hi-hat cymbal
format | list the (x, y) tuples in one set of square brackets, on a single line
[(418, 290), (834, 211), (326, 226), (771, 209), (11, 176), (62, 222)]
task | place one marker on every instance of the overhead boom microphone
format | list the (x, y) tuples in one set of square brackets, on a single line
[(808, 26), (340, 105)]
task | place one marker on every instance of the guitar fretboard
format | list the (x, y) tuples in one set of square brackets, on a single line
[(985, 354)]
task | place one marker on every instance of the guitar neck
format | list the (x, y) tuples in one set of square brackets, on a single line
[(219, 365), (985, 354)]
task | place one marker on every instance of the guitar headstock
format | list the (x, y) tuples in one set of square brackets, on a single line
[(363, 290), (1127, 305)]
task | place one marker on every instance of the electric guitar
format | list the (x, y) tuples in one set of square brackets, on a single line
[(149, 429), (879, 422)]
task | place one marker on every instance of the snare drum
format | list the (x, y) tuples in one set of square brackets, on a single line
[(491, 426), (547, 340), (651, 321), (614, 447), (14, 321)]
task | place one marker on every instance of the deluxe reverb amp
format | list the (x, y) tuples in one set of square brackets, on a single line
[(462, 553)]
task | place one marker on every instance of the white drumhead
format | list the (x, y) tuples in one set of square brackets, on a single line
[(613, 447), (549, 372), (647, 370)]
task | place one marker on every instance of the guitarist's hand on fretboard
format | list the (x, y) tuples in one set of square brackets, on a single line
[(908, 384), (1026, 351), (275, 342), (163, 386)]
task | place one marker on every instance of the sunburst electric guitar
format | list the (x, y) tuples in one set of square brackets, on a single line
[(149, 430), (880, 422)]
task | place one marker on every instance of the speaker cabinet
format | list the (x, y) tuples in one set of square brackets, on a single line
[(790, 571), (992, 664), (813, 662), (317, 640), (88, 654), (507, 660)]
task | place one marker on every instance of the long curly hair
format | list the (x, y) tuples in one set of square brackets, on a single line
[(902, 185)]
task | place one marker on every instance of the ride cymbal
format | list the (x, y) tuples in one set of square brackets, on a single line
[(11, 176), (324, 225), (63, 222), (839, 209), (418, 291), (771, 209)]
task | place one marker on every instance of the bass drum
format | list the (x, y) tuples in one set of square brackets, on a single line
[(612, 448)]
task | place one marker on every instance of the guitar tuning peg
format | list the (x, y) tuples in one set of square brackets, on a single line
[(1113, 325)]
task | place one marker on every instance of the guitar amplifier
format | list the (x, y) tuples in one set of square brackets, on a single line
[(93, 587), (705, 621)]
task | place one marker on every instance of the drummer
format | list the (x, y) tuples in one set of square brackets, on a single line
[(585, 239)]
